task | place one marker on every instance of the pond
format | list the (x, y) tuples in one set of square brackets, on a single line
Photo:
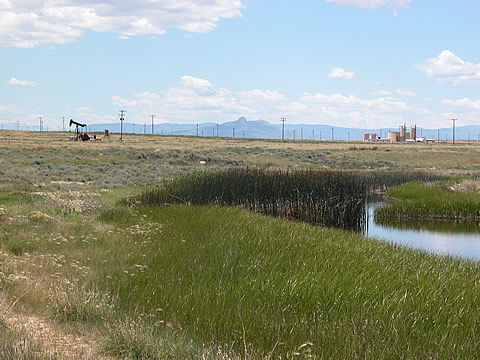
[(445, 237)]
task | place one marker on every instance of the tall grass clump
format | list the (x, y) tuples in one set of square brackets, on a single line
[(329, 198), (426, 200)]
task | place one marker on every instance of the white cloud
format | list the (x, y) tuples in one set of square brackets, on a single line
[(28, 23), (382, 93), (448, 67), (339, 73), (406, 92), (465, 102), (199, 86), (14, 81), (198, 100), (372, 4), (253, 96), (9, 109)]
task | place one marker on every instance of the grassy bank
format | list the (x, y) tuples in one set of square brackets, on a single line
[(191, 282), (427, 200), (260, 285)]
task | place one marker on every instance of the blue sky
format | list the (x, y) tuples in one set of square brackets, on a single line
[(353, 63)]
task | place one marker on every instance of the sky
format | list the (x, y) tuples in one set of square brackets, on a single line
[(349, 63)]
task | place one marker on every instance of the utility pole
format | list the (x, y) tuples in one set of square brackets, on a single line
[(293, 134), (313, 134), (197, 129), (213, 132), (283, 127), (320, 135), (63, 122), (133, 128), (333, 137), (453, 139), (152, 122), (122, 118), (217, 130), (41, 125), (438, 135)]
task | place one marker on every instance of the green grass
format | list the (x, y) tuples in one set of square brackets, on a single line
[(427, 200), (261, 285), (187, 282)]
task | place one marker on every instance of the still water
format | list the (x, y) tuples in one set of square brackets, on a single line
[(438, 236)]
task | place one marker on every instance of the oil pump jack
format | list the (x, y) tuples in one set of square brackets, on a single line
[(82, 136)]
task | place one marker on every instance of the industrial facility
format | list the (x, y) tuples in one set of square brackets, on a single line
[(396, 136)]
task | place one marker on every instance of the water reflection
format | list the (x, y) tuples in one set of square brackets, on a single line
[(447, 237)]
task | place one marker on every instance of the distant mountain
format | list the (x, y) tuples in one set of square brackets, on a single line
[(263, 129)]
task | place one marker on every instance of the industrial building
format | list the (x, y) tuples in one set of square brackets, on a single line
[(396, 136)]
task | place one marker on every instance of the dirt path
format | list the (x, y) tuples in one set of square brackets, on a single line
[(53, 340)]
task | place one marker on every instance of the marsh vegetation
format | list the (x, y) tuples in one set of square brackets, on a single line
[(217, 282)]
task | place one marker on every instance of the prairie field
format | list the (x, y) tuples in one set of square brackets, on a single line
[(89, 271)]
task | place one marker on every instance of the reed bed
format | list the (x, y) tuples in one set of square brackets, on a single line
[(426, 200), (328, 198)]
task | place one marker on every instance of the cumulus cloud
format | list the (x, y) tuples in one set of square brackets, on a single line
[(199, 86), (406, 92), (27, 24), (9, 109), (465, 102), (339, 73), (448, 67), (14, 81), (198, 100), (372, 4), (382, 93)]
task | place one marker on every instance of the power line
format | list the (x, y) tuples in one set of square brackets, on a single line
[(152, 122), (122, 118), (453, 139)]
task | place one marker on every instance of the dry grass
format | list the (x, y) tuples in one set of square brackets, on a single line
[(461, 157)]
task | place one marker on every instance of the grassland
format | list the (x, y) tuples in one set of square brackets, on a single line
[(430, 200), (182, 282)]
